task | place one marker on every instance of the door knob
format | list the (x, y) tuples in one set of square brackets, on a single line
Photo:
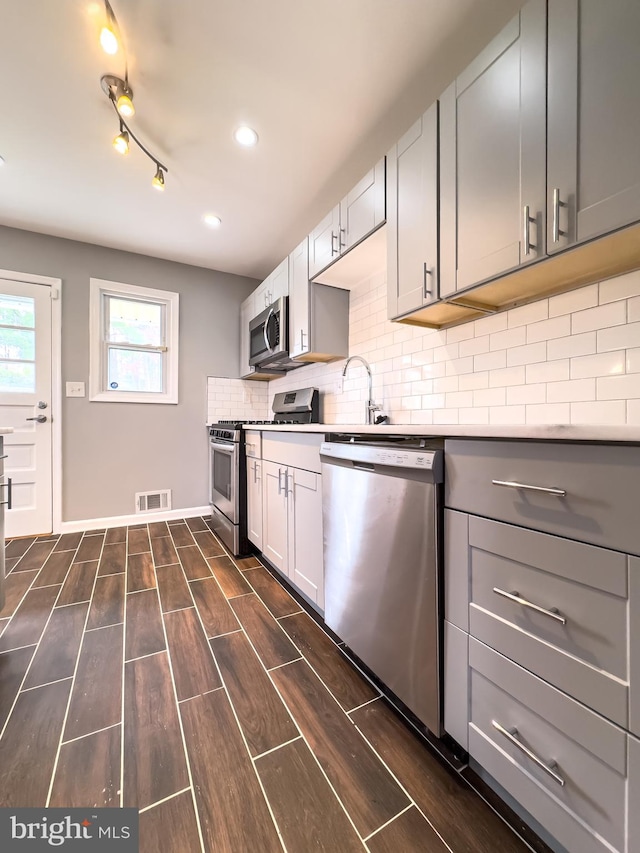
[(39, 419)]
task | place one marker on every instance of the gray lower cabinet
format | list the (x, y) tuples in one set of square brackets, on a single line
[(550, 627), (412, 217), (493, 157), (3, 482), (566, 765), (593, 119)]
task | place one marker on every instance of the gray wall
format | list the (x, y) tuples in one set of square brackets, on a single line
[(112, 450)]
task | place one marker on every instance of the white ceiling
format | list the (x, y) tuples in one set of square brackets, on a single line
[(328, 84)]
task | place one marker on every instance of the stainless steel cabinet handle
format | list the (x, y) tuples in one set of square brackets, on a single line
[(515, 596), (512, 484), (526, 219), (280, 480), (9, 501), (511, 736), (342, 243), (425, 272), (334, 250), (557, 204), (255, 472), (302, 334), (39, 419), (258, 474)]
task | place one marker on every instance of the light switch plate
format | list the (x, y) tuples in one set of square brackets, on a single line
[(75, 389)]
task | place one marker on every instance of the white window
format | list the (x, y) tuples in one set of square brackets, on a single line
[(134, 343)]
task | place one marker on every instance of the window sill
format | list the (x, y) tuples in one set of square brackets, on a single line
[(132, 397)]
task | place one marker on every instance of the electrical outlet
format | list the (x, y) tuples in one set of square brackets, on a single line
[(75, 389)]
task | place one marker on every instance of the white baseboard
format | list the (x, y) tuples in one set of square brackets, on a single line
[(134, 518)]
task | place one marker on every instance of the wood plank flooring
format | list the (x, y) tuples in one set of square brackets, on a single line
[(143, 666)]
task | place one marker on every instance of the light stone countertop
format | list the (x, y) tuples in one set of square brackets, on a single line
[(541, 432)]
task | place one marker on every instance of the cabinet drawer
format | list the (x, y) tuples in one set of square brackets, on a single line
[(602, 486), (253, 443), (300, 450), (523, 583), (582, 750)]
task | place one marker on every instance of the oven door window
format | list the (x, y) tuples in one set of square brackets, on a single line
[(223, 487)]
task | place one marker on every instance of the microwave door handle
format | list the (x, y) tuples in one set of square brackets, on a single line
[(265, 330)]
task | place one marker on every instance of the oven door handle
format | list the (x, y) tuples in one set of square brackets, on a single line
[(265, 330), (229, 449)]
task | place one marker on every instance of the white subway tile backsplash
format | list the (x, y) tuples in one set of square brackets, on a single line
[(549, 371), (458, 366), (473, 416), (574, 390), (525, 365), (459, 399), (558, 327), (633, 310), (624, 337), (491, 324), (633, 412), (602, 317), (610, 412), (633, 360), (620, 287), (507, 376), (604, 364), (549, 413), (507, 415), (446, 383), (474, 346), (445, 416), (520, 395), (575, 300), (575, 345), (489, 397), (490, 361), (529, 354), (509, 338), (526, 314), (618, 387), (472, 381)]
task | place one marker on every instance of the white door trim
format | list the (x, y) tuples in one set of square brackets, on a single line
[(56, 383)]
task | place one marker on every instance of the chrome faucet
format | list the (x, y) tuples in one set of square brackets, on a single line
[(370, 406)]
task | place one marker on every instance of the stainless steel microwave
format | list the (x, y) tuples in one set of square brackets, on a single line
[(268, 336)]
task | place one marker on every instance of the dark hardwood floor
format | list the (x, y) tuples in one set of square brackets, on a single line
[(145, 667)]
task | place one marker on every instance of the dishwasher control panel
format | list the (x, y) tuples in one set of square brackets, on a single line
[(384, 455)]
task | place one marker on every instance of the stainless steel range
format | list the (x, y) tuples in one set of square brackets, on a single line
[(228, 464)]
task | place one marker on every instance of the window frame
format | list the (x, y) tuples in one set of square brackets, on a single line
[(100, 290)]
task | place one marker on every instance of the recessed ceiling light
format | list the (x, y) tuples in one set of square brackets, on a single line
[(246, 136), (212, 220)]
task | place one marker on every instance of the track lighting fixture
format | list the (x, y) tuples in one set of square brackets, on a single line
[(110, 31), (120, 95)]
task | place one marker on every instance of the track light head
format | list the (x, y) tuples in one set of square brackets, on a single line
[(120, 92), (109, 40), (158, 180), (121, 142)]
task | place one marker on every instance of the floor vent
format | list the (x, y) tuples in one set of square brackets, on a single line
[(153, 501)]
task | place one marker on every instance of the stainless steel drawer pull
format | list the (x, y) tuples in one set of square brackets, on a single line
[(511, 736), (9, 501), (514, 596), (511, 484)]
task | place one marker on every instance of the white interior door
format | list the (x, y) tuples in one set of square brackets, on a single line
[(25, 394)]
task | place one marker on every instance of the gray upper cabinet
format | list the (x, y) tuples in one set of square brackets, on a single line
[(593, 118), (412, 217), (359, 213), (318, 315), (493, 152)]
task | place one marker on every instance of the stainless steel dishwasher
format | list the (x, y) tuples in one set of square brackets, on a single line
[(381, 514)]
